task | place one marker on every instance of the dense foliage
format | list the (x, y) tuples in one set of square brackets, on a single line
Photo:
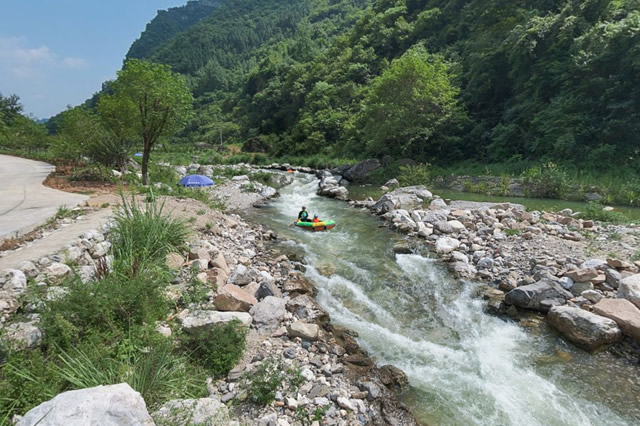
[(19, 133), (149, 101), (168, 23), (545, 80)]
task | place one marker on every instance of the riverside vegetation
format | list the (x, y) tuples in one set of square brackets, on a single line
[(104, 332), (191, 317)]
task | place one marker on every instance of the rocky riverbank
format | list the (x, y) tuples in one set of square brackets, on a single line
[(578, 271), (318, 373)]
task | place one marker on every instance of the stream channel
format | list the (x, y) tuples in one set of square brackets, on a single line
[(465, 367)]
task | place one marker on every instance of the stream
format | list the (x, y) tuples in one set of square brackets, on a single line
[(465, 367)]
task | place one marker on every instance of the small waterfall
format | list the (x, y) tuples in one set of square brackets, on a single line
[(464, 366)]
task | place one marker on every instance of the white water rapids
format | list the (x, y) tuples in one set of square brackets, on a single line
[(465, 367)]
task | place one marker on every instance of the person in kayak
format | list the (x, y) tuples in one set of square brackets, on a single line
[(315, 219), (303, 216)]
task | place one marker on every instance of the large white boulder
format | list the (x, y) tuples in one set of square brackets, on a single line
[(268, 313), (113, 405), (304, 331), (584, 328)]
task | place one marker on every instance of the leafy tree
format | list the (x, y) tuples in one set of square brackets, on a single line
[(154, 100), (10, 108), (408, 104)]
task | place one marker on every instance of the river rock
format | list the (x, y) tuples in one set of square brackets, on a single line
[(443, 227), (174, 261), (13, 281), (267, 289), (392, 183), (8, 304), (613, 277), (57, 272), (445, 245), (24, 335), (304, 307), (101, 249), (101, 405), (240, 276), (197, 320), (360, 171), (582, 275), (624, 313), (619, 264), (540, 296), (592, 296), (584, 328), (402, 247), (304, 331), (183, 412), (233, 298), (456, 225), (298, 284), (29, 269), (593, 263), (268, 313), (629, 289)]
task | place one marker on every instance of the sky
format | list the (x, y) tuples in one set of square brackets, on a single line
[(55, 53)]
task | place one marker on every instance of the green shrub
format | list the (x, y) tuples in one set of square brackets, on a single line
[(217, 350), (262, 177), (419, 174), (145, 235), (548, 180), (594, 211), (264, 382), (111, 305), (512, 232), (26, 380), (93, 173)]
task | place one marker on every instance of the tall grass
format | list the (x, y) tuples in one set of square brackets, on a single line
[(104, 333), (141, 236)]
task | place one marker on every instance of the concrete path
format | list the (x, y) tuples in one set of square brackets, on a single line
[(56, 240), (24, 202)]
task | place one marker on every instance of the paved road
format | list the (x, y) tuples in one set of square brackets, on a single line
[(24, 202), (56, 240)]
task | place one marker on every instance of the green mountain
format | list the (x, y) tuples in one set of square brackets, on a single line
[(434, 80), (169, 23)]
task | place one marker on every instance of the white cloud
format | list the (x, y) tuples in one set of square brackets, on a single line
[(27, 62), (44, 80), (74, 63)]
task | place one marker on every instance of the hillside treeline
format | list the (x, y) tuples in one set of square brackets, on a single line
[(436, 80)]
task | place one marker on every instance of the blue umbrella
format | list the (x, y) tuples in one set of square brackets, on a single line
[(195, 180)]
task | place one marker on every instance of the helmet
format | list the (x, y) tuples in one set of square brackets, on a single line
[(315, 215), (304, 207)]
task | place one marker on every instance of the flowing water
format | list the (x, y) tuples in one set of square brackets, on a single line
[(464, 367)]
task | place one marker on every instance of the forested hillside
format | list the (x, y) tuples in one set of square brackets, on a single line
[(434, 80), (169, 23)]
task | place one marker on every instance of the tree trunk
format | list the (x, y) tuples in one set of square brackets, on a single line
[(145, 162)]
